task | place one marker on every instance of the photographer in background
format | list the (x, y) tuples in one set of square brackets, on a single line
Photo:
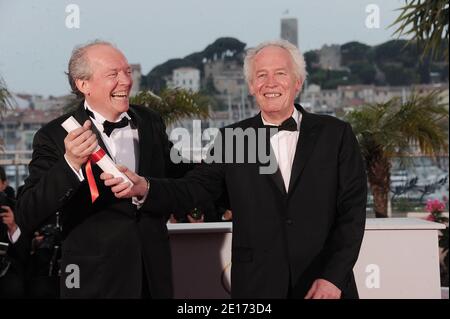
[(15, 248), (45, 260)]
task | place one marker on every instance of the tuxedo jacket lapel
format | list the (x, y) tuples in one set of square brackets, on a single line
[(309, 131), (81, 116), (276, 178), (145, 142)]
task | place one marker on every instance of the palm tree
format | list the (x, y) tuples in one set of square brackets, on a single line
[(6, 99), (6, 103), (394, 129), (427, 22), (174, 104)]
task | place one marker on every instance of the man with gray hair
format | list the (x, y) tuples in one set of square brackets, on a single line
[(297, 232), (112, 248)]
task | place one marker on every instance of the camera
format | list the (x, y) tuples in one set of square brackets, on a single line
[(3, 201), (5, 262), (52, 236), (6, 201), (49, 248)]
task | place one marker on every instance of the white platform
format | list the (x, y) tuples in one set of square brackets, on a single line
[(399, 258)]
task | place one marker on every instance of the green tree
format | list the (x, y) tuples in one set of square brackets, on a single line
[(364, 71), (397, 75), (393, 129), (174, 104), (354, 52), (311, 59), (426, 21), (6, 103), (6, 99)]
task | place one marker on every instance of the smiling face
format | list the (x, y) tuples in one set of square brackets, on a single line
[(107, 90), (274, 83)]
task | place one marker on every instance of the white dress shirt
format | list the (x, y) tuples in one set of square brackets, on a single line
[(122, 145), (15, 236), (284, 144)]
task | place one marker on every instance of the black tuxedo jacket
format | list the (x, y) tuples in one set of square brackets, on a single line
[(284, 240), (111, 241)]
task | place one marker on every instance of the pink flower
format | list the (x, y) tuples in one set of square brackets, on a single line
[(430, 218), (435, 206)]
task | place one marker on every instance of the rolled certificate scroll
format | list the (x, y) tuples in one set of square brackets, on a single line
[(99, 156)]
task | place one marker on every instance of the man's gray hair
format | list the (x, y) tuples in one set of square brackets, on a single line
[(79, 68), (297, 58)]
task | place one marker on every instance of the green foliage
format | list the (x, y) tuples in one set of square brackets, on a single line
[(386, 130), (222, 45), (330, 79), (398, 51), (155, 79), (311, 58), (353, 52), (405, 205), (401, 64), (73, 103), (174, 104), (364, 71), (393, 126), (6, 99), (397, 75), (426, 21), (399, 61)]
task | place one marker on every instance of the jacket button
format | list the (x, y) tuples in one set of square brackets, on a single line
[(289, 221), (66, 195)]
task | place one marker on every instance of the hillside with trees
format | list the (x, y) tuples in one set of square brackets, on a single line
[(394, 63), (222, 47)]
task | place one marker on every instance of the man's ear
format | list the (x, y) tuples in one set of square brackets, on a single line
[(82, 86), (298, 85), (250, 88)]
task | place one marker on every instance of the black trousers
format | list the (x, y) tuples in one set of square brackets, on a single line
[(12, 284), (145, 294)]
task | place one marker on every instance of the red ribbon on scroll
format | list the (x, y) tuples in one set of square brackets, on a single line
[(94, 158)]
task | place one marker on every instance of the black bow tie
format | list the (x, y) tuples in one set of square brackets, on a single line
[(287, 125), (108, 126)]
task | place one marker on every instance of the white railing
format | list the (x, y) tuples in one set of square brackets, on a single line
[(15, 157)]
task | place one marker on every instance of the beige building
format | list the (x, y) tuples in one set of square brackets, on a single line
[(39, 102), (330, 57), (349, 97), (227, 77), (185, 78)]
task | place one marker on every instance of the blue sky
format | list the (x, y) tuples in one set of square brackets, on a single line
[(36, 44)]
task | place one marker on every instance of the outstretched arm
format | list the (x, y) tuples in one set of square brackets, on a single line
[(204, 183)]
